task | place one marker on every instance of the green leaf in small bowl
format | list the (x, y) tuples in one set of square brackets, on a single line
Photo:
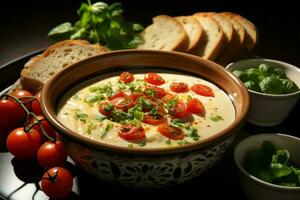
[(289, 86), (271, 85), (266, 69), (252, 86)]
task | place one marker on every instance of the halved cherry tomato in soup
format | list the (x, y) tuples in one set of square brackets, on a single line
[(195, 106), (132, 133), (117, 94), (126, 77), (135, 96), (154, 91), (168, 97), (179, 110), (105, 108), (170, 132), (179, 87), (122, 103), (203, 90), (154, 119), (154, 79)]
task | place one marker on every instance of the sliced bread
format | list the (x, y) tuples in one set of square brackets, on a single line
[(238, 39), (193, 30), (165, 33), (250, 29), (212, 40), (58, 56)]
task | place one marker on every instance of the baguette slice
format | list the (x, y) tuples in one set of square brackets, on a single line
[(166, 34), (238, 40), (250, 30), (192, 28), (212, 42), (58, 56)]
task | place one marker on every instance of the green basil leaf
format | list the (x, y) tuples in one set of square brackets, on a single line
[(266, 69), (137, 27), (289, 86), (252, 86), (253, 74), (62, 31), (280, 170), (241, 75), (98, 7), (279, 73), (271, 85)]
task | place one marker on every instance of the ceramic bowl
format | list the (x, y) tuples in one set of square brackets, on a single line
[(256, 189), (157, 167), (269, 109)]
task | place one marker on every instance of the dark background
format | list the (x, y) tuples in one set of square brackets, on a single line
[(24, 26)]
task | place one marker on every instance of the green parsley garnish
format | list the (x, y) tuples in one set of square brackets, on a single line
[(216, 118), (80, 115)]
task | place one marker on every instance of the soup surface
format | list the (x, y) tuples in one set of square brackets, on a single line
[(147, 110)]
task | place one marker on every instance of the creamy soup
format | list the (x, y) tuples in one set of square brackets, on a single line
[(147, 110)]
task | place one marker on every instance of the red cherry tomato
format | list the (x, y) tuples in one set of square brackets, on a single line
[(51, 154), (154, 79), (195, 106), (35, 105), (203, 90), (132, 133), (103, 108), (179, 110), (57, 183), (23, 145), (154, 119), (21, 94), (135, 96), (117, 94), (170, 132), (12, 116), (126, 77), (122, 103), (46, 126), (179, 87), (168, 97), (154, 91)]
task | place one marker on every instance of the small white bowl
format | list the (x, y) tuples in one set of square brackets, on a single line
[(257, 189), (269, 109)]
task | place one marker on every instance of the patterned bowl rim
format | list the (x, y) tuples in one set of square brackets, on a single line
[(49, 105)]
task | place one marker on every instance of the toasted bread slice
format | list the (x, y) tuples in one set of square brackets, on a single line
[(58, 56), (251, 38), (212, 40), (193, 30), (165, 33)]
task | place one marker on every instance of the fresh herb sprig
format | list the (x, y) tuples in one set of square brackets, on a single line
[(103, 24)]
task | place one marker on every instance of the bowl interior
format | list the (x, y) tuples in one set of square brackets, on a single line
[(127, 60)]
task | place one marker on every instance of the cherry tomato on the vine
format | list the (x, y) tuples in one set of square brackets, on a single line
[(51, 154), (35, 105), (46, 126), (23, 144), (57, 183), (21, 94)]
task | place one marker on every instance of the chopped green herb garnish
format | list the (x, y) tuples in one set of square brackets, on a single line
[(75, 97), (192, 132), (80, 115), (66, 113), (90, 125), (102, 89), (108, 107), (216, 118), (144, 103), (168, 142), (143, 143), (150, 92), (170, 105), (93, 98), (108, 128), (99, 117), (183, 142), (136, 112)]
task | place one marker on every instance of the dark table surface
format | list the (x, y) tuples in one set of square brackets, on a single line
[(23, 29)]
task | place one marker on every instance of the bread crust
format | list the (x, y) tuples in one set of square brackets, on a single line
[(31, 84), (217, 44), (194, 35)]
